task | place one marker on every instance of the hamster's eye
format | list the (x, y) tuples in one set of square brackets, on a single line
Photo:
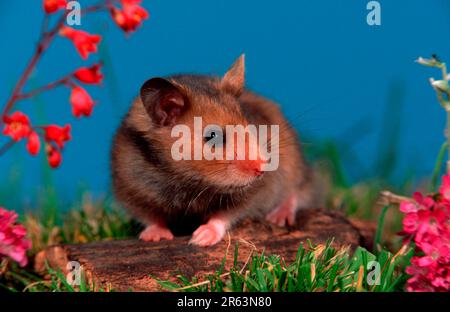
[(210, 136), (216, 136)]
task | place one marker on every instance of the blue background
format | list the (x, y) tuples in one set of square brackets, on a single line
[(334, 75)]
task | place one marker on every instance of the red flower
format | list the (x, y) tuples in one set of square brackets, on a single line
[(53, 156), (51, 6), (130, 16), (33, 143), (57, 134), (81, 101), (89, 75), (84, 42), (17, 126)]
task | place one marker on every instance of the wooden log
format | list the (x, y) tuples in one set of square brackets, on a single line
[(130, 264)]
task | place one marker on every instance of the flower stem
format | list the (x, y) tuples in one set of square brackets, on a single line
[(438, 167), (52, 85), (6, 147), (447, 109), (444, 71)]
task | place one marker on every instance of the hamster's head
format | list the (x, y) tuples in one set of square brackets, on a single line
[(200, 127)]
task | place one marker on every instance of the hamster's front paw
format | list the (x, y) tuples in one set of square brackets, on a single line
[(209, 234), (284, 213), (154, 233)]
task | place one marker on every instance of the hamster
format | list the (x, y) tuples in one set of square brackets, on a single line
[(204, 197)]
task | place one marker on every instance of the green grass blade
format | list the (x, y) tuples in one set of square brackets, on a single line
[(379, 232), (438, 167)]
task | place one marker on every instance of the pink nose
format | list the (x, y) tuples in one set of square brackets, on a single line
[(258, 172), (253, 166)]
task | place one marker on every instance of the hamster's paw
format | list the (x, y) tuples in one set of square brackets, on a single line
[(209, 234), (155, 233), (284, 213)]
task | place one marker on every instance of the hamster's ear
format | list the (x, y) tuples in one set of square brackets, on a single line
[(163, 101), (234, 79)]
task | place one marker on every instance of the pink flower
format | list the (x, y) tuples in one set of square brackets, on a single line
[(444, 190), (424, 202), (410, 223), (430, 224), (408, 207), (427, 274), (427, 224), (13, 243)]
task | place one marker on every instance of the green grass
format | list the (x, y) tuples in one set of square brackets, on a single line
[(17, 279), (90, 220), (317, 268)]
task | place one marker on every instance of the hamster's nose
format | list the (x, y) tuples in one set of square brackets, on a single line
[(254, 167), (258, 172)]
